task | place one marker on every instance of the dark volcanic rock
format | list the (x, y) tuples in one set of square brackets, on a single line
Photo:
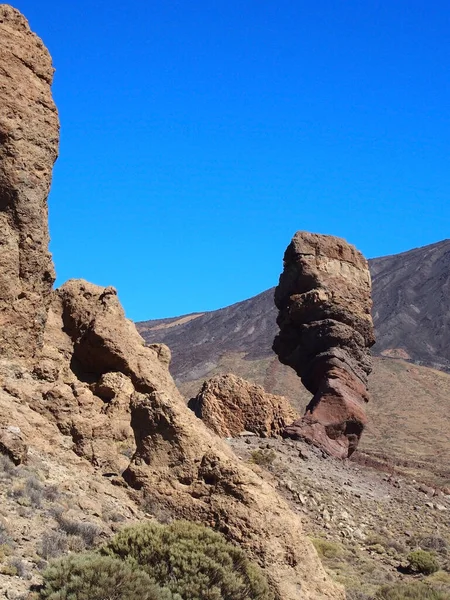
[(411, 296), (324, 303)]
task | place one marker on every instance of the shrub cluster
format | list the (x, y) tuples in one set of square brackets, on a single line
[(90, 576), (263, 458), (179, 561), (421, 561)]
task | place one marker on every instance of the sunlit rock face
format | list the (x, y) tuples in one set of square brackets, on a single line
[(29, 135), (324, 303)]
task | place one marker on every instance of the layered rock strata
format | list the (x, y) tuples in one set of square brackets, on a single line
[(29, 133), (230, 405), (326, 330), (79, 376)]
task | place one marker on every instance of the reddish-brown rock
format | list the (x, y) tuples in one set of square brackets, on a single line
[(326, 330), (29, 134), (230, 405)]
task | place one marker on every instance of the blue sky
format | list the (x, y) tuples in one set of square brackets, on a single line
[(197, 137)]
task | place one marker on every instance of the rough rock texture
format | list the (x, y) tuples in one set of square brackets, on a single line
[(230, 405), (29, 130), (326, 329), (186, 470)]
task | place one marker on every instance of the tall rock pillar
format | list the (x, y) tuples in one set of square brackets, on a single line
[(29, 135), (326, 330)]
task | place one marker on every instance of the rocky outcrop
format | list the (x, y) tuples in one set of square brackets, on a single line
[(230, 405), (186, 470), (29, 133), (326, 329)]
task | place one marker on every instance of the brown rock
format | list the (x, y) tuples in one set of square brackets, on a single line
[(326, 329), (229, 405), (13, 445), (188, 471), (112, 385), (29, 132)]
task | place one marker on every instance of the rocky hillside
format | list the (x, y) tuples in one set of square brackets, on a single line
[(411, 294)]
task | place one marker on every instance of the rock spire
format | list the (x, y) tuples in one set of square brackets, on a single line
[(29, 134), (326, 330)]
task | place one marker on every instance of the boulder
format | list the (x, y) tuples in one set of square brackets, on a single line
[(324, 303), (13, 445), (230, 405)]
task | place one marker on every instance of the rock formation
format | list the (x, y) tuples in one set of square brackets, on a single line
[(75, 374), (230, 405), (29, 133), (326, 329)]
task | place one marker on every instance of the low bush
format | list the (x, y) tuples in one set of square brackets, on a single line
[(421, 561), (263, 458), (190, 560), (21, 567), (435, 543), (327, 549), (53, 544), (409, 591), (90, 576), (7, 467), (87, 531)]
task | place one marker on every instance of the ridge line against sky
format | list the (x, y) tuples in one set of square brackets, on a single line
[(197, 137)]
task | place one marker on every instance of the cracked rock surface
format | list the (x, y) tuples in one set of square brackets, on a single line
[(324, 303)]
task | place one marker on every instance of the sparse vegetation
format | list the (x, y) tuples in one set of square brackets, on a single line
[(415, 590), (53, 544), (327, 549), (88, 532), (7, 468), (263, 458), (21, 567)]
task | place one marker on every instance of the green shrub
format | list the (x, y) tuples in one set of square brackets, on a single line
[(90, 576), (263, 458), (409, 591), (421, 561), (191, 560), (326, 549)]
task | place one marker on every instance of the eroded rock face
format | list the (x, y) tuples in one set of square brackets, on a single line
[(185, 469), (29, 133), (230, 405), (326, 330)]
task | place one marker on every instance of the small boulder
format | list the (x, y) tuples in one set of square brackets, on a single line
[(13, 445), (229, 405)]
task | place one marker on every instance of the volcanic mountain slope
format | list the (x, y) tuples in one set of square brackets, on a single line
[(411, 293)]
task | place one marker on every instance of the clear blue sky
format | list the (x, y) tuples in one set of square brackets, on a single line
[(198, 136)]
